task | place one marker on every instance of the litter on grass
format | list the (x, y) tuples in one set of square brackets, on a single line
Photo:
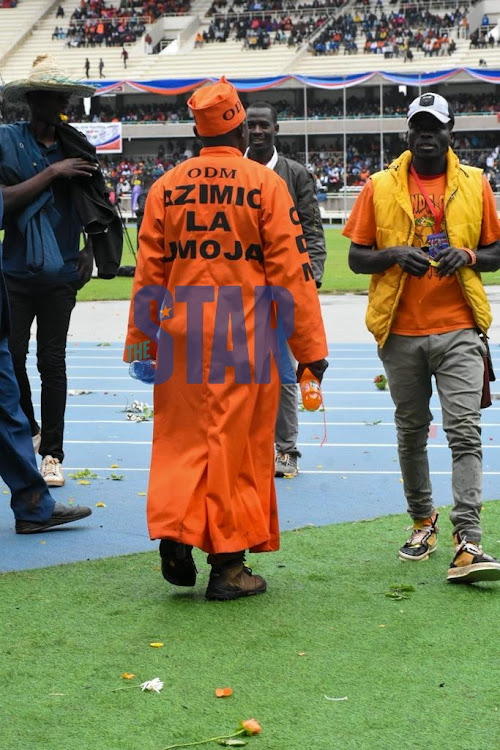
[(345, 698), (154, 685), (397, 592)]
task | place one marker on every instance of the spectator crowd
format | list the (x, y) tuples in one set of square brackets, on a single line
[(125, 176), (397, 33), (97, 22), (172, 110)]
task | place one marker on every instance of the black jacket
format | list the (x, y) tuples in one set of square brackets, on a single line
[(98, 217), (301, 187)]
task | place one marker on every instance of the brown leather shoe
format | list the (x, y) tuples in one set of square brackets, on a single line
[(177, 564), (232, 582)]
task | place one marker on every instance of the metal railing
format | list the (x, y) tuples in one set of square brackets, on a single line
[(116, 20)]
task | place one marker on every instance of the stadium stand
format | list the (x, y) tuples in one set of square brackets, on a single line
[(181, 55), (214, 38), (16, 23)]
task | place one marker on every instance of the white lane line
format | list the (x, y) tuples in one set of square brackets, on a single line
[(364, 409), (394, 473), (122, 367), (73, 382), (118, 407), (345, 472), (99, 391), (103, 370), (301, 424), (105, 421), (431, 446)]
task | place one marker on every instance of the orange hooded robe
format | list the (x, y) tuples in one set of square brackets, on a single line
[(218, 222)]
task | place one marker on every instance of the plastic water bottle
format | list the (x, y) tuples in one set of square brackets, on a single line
[(310, 389), (143, 370)]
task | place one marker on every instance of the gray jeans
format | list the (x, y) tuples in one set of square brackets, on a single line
[(287, 420), (456, 361)]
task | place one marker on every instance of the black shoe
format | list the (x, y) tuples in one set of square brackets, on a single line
[(177, 564), (60, 515)]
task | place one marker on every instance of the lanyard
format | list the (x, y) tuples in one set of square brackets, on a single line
[(437, 214)]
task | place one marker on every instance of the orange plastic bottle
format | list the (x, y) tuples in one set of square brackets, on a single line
[(310, 389)]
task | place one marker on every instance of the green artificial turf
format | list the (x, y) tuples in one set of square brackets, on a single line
[(419, 672), (119, 287), (338, 278)]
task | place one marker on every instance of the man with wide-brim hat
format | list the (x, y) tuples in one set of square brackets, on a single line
[(46, 169), (218, 230)]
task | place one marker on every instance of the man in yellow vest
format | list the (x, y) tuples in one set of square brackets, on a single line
[(424, 228)]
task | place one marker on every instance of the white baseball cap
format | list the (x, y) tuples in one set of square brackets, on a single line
[(432, 104)]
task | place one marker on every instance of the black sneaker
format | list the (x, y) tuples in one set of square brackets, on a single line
[(471, 564), (423, 539), (177, 564), (60, 515)]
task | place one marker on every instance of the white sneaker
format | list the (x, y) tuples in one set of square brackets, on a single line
[(51, 471), (37, 439)]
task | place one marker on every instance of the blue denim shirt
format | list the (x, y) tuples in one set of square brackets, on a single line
[(42, 240)]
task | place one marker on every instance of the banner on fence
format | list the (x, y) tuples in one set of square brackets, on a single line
[(105, 136)]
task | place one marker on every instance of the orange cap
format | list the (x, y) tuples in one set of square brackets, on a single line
[(217, 109)]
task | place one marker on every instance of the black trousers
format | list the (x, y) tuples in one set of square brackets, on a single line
[(51, 305)]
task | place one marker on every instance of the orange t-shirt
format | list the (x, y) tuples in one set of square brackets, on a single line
[(429, 304)]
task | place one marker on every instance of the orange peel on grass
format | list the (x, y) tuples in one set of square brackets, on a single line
[(223, 692)]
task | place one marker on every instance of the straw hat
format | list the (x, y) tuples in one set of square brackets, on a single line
[(45, 75)]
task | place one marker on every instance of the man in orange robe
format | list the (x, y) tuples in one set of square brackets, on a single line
[(217, 241)]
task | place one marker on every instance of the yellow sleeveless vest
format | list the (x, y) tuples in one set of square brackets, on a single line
[(396, 226)]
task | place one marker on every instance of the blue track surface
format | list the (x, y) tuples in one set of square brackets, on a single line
[(354, 475)]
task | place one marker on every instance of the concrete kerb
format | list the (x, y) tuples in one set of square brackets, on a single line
[(343, 315)]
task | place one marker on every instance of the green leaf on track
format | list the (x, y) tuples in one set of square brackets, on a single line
[(83, 474)]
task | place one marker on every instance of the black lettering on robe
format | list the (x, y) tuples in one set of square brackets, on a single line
[(229, 174), (294, 216), (167, 198), (220, 222), (240, 196), (188, 251), (301, 243), (203, 194), (238, 252), (182, 199), (221, 194), (308, 272), (253, 198), (176, 249), (191, 225), (205, 252), (173, 253), (254, 252)]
